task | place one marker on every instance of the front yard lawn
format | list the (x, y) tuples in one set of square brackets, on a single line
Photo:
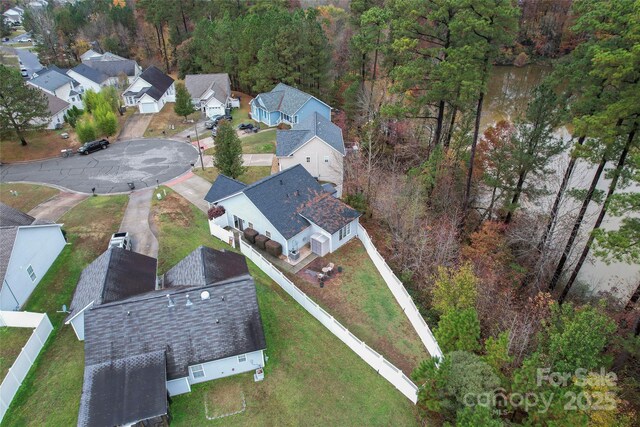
[(252, 174), (263, 142), (12, 340), (50, 395), (360, 299), (41, 144), (29, 195), (163, 121), (311, 377), (241, 115)]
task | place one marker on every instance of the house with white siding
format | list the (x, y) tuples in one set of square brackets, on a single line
[(286, 104), (317, 145), (150, 91), (57, 109), (211, 93), (13, 15), (289, 207), (56, 82), (147, 338), (27, 249)]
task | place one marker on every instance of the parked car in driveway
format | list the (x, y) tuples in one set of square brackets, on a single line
[(216, 119), (209, 124), (90, 147), (121, 240)]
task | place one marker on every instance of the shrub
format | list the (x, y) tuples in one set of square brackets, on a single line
[(261, 241), (86, 129), (250, 234), (216, 211)]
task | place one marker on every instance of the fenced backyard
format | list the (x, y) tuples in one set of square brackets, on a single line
[(18, 371)]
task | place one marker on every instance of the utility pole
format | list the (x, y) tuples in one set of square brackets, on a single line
[(199, 148)]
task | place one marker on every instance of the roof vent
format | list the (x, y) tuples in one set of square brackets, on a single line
[(217, 320), (171, 303), (281, 183), (189, 303), (222, 298), (204, 295)]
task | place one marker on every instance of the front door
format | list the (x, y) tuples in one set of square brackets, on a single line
[(237, 223)]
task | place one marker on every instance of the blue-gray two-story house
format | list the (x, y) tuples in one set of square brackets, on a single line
[(288, 105)]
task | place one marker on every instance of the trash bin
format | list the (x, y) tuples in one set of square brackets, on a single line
[(131, 186)]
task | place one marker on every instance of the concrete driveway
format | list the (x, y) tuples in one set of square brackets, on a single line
[(55, 207), (143, 162), (193, 188), (135, 126), (136, 222)]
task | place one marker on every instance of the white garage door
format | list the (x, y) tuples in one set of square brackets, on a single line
[(148, 108)]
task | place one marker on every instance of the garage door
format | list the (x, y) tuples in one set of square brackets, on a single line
[(148, 108)]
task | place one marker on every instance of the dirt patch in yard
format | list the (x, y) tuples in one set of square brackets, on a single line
[(175, 210), (224, 400), (41, 144)]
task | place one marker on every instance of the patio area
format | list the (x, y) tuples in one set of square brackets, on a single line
[(284, 263)]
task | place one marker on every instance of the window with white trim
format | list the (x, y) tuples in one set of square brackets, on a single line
[(197, 371), (242, 358), (266, 233), (250, 225), (326, 159), (345, 231), (31, 273), (308, 159)]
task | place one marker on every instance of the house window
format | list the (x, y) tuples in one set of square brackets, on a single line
[(308, 159), (345, 231), (295, 119), (326, 159), (242, 358), (31, 273), (129, 100), (266, 233), (197, 371), (250, 225)]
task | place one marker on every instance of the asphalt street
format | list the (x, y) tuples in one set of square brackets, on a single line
[(29, 61), (141, 162)]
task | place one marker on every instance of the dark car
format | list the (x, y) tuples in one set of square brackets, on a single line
[(90, 147), (216, 119), (245, 126)]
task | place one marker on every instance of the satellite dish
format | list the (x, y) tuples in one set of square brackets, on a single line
[(204, 295)]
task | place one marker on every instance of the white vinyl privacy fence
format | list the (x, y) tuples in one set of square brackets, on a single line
[(18, 371), (372, 357), (400, 293), (222, 234)]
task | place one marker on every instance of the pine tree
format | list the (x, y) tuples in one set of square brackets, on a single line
[(183, 106), (228, 151)]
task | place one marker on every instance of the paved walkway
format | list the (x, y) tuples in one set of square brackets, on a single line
[(55, 207), (136, 222), (257, 159), (193, 188)]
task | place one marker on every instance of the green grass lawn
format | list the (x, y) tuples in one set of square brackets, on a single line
[(263, 142), (29, 195), (312, 378), (360, 299), (241, 115), (11, 342), (252, 174), (50, 395)]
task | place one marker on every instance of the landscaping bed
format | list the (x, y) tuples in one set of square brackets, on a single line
[(29, 195), (311, 377), (360, 300), (163, 120), (11, 342), (50, 395)]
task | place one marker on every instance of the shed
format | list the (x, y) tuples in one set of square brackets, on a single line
[(319, 244)]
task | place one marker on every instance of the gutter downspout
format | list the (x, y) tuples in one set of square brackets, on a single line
[(12, 294)]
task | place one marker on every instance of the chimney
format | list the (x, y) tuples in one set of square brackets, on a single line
[(171, 303), (189, 303)]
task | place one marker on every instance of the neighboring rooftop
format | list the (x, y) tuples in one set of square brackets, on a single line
[(113, 68), (115, 275), (283, 98), (288, 141), (199, 84), (282, 198), (205, 266), (10, 217), (54, 103), (222, 187), (194, 325), (90, 73), (124, 391), (50, 80), (7, 241)]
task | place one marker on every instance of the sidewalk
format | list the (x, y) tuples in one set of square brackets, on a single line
[(193, 188)]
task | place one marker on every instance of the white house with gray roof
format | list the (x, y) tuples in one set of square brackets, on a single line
[(13, 15), (289, 207), (317, 145), (55, 82), (211, 93), (202, 323), (150, 91), (286, 104), (27, 250)]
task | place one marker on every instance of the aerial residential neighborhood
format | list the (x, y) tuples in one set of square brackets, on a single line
[(319, 213)]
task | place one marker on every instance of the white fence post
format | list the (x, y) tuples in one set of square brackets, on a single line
[(370, 356), (20, 368)]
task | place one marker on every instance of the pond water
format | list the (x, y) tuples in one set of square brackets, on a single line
[(507, 96)]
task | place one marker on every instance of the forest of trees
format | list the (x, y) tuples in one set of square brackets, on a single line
[(448, 201)]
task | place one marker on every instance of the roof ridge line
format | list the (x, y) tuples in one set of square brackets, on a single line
[(267, 178)]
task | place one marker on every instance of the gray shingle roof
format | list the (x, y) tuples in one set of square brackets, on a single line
[(10, 217), (90, 73), (288, 141), (329, 213), (50, 80), (7, 240), (205, 266), (156, 78), (54, 103), (198, 84), (113, 68), (123, 391), (116, 274), (283, 98), (222, 187), (226, 324)]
